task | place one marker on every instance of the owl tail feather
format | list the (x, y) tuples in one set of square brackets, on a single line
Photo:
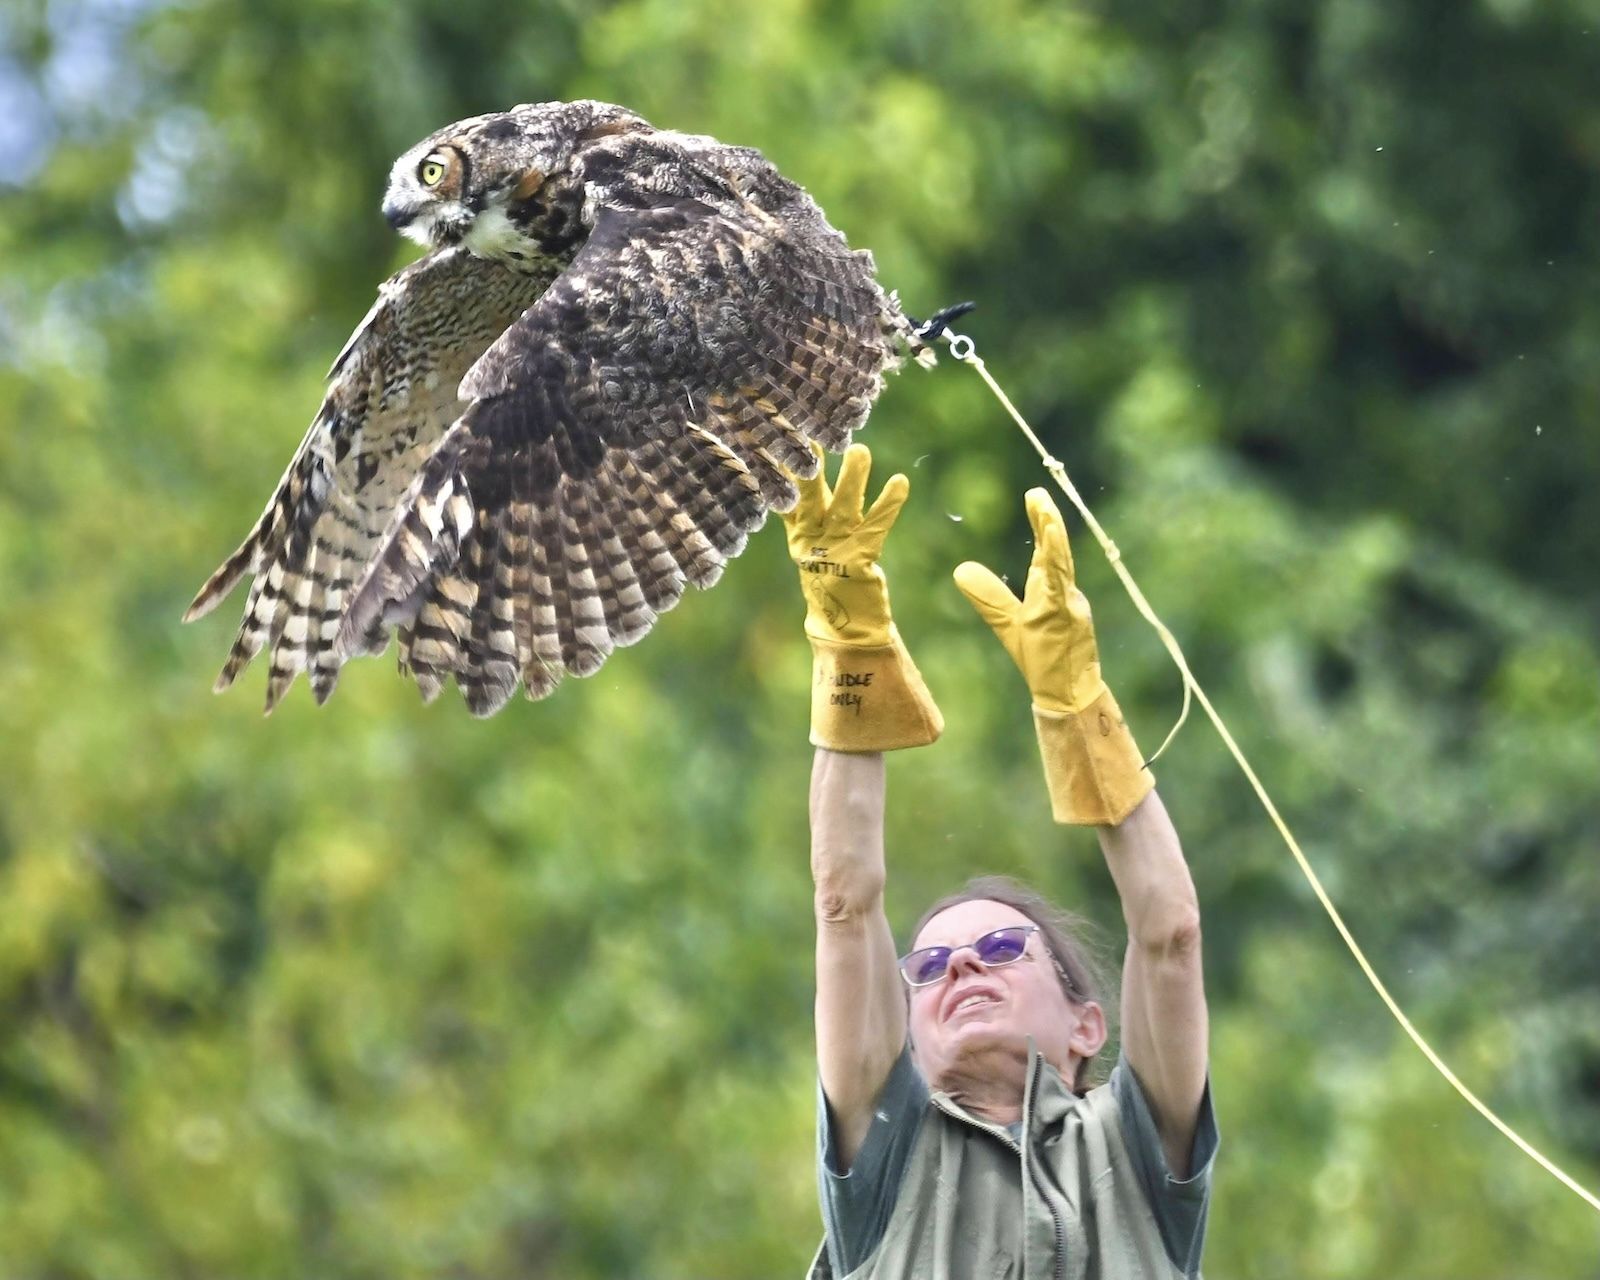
[(424, 537), (220, 583)]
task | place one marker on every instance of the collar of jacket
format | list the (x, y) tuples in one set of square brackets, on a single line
[(1046, 1101)]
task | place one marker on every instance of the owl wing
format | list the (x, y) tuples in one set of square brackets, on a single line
[(622, 439), (392, 394)]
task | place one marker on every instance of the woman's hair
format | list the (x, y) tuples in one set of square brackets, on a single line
[(1073, 943)]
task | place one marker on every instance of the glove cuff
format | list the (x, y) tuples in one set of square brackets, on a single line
[(1092, 767), (870, 698)]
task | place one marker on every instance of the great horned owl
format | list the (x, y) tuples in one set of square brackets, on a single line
[(604, 372)]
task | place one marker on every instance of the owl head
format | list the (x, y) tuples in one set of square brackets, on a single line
[(458, 183)]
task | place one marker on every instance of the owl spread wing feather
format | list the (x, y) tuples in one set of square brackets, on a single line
[(621, 439), (391, 396)]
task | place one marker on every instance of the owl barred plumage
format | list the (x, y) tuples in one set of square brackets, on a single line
[(591, 389)]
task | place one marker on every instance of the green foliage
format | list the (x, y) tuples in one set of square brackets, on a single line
[(1304, 297)]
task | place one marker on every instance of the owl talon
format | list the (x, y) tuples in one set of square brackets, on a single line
[(933, 328)]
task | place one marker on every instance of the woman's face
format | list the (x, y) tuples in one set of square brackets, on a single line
[(974, 1012)]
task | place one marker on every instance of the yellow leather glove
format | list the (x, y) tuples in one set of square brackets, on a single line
[(866, 693), (1094, 771)]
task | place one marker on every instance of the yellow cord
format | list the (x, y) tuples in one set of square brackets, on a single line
[(963, 349)]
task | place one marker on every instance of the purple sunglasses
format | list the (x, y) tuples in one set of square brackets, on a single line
[(926, 965)]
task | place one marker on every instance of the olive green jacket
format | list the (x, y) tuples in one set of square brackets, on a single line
[(1079, 1210)]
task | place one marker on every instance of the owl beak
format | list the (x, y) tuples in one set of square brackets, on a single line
[(398, 215)]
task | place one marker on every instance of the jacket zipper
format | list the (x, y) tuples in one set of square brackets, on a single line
[(1044, 1194), (1027, 1162)]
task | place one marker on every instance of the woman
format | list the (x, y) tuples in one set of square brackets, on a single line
[(955, 1135)]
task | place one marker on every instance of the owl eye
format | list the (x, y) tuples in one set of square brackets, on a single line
[(432, 169)]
